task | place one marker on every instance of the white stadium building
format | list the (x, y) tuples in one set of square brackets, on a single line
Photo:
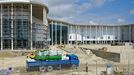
[(24, 25), (66, 33)]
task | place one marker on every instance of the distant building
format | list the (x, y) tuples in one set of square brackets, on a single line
[(24, 25), (66, 33)]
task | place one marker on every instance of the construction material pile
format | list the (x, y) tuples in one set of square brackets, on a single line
[(47, 55)]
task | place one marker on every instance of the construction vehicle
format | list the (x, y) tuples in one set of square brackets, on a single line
[(61, 46), (103, 49), (117, 44), (49, 62)]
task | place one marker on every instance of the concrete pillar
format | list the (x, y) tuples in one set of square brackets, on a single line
[(106, 34), (68, 28), (31, 26), (11, 26), (45, 23), (99, 33), (129, 33), (56, 33), (60, 33), (52, 33), (22, 23), (86, 36), (76, 34), (71, 35), (80, 33), (49, 35), (113, 35), (1, 15), (118, 34), (83, 35), (90, 34), (102, 36), (96, 35)]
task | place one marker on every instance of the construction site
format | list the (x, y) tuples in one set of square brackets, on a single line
[(94, 60), (31, 43)]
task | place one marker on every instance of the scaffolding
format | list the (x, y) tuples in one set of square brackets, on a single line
[(16, 28)]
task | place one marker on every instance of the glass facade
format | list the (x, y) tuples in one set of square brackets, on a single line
[(61, 33), (65, 33), (15, 25), (19, 29)]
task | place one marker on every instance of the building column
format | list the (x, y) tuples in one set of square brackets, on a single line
[(48, 39), (100, 41), (45, 23), (79, 33), (118, 38), (31, 31), (52, 33), (113, 35), (71, 35), (120, 33), (11, 26), (130, 33), (96, 35), (86, 36), (80, 29), (49, 35), (61, 34), (1, 15), (22, 25), (90, 35), (76, 34), (99, 34), (83, 35), (107, 35), (68, 34), (55, 33)]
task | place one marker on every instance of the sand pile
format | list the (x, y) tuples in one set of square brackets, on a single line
[(89, 53), (11, 54), (7, 54)]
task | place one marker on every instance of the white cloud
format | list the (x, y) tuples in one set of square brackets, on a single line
[(76, 12), (120, 20), (98, 2), (61, 8), (92, 23), (131, 11)]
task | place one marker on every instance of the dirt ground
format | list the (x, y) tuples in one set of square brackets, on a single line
[(95, 64)]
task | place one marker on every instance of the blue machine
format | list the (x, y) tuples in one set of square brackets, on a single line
[(49, 65)]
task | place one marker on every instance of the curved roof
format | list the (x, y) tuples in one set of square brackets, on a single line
[(68, 23), (39, 2)]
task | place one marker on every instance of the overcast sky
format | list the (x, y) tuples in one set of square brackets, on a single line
[(92, 11)]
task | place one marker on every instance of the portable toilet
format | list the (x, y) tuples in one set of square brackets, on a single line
[(109, 69)]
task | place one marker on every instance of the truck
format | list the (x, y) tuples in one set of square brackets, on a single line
[(49, 65)]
